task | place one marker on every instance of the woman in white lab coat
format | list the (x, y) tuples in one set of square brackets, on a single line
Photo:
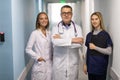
[(67, 40), (39, 48)]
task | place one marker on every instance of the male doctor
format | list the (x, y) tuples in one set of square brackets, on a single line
[(67, 39)]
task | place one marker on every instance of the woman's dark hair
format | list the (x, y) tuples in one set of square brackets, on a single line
[(37, 21)]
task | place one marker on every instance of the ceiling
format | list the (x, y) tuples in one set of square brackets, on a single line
[(57, 1)]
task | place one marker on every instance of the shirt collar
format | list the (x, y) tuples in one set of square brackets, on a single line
[(66, 24)]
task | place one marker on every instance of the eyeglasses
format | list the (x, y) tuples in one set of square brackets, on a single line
[(66, 13)]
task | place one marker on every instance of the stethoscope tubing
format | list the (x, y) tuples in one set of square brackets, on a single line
[(75, 31)]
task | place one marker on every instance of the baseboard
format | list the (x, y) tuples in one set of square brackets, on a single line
[(26, 70), (114, 75)]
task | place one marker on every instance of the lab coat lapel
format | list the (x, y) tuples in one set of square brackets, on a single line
[(45, 37)]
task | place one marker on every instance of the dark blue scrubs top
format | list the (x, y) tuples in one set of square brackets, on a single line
[(97, 62)]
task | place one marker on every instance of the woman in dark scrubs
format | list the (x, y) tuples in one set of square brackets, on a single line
[(99, 47)]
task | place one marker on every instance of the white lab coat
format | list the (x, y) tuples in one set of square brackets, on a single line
[(66, 55), (40, 46)]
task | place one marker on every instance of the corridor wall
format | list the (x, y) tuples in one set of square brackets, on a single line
[(114, 12), (17, 20), (111, 15), (6, 56)]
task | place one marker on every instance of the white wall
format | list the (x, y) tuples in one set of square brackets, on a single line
[(111, 13), (103, 7), (17, 37), (115, 33), (23, 22)]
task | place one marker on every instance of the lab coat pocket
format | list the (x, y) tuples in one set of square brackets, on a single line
[(40, 67), (38, 75)]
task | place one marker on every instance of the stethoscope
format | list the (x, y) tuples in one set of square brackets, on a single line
[(61, 29)]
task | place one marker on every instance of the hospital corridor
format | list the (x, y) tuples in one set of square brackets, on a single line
[(18, 20)]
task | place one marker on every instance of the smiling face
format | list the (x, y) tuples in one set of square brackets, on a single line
[(43, 20), (66, 14), (95, 21)]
